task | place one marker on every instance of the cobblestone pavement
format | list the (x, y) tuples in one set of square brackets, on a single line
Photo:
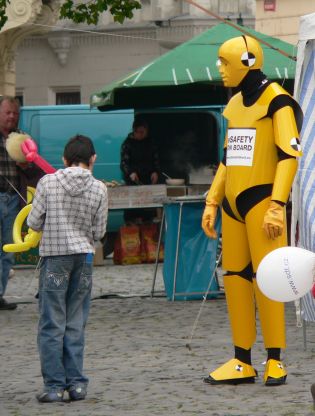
[(136, 355)]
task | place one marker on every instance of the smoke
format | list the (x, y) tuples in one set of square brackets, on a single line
[(185, 153)]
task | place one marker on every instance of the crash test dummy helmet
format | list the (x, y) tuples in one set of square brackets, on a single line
[(238, 56)]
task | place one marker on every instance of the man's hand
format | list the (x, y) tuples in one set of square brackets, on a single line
[(154, 178), (134, 177), (208, 220), (274, 220), (23, 165)]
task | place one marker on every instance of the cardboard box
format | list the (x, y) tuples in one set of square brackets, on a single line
[(99, 255), (173, 191)]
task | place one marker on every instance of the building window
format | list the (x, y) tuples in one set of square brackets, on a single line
[(270, 5), (72, 97), (20, 98)]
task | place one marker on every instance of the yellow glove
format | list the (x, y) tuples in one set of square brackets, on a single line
[(213, 200), (208, 220), (274, 220)]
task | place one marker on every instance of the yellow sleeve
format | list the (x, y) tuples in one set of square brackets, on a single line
[(285, 173), (217, 190), (286, 132), (286, 139)]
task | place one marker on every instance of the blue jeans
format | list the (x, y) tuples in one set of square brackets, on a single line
[(9, 208), (65, 284)]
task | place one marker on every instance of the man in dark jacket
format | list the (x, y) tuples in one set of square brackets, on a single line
[(140, 166), (139, 156), (14, 178)]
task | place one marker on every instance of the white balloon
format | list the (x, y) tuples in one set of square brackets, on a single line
[(286, 274)]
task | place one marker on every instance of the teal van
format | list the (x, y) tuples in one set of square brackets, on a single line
[(187, 137)]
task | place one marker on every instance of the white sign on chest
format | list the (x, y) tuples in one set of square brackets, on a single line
[(240, 147)]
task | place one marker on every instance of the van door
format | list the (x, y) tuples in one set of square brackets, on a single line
[(52, 126)]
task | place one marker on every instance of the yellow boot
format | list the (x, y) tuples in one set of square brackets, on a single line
[(275, 373), (232, 372)]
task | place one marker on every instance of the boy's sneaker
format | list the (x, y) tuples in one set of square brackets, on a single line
[(77, 393), (50, 396)]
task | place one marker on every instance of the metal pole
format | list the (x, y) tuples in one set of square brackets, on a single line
[(177, 248), (158, 252)]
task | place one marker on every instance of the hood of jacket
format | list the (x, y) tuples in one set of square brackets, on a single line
[(75, 180)]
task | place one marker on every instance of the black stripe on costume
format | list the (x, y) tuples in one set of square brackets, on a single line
[(282, 155), (224, 157), (247, 273), (251, 197), (284, 100), (228, 210)]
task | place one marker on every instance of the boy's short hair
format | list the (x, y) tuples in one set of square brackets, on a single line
[(79, 149)]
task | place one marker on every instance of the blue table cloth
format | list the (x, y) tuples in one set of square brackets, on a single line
[(196, 254)]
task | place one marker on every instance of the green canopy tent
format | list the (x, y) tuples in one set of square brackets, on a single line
[(187, 75)]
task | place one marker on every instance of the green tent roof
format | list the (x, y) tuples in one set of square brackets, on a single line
[(188, 74)]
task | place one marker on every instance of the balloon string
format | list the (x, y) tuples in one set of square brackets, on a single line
[(26, 291), (11, 184), (203, 302), (298, 313)]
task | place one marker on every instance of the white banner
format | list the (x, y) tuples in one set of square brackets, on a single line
[(240, 147)]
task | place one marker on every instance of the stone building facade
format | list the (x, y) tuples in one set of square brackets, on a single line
[(70, 62), (25, 18), (281, 18), (45, 61)]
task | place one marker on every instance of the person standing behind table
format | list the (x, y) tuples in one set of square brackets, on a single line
[(70, 207), (14, 178), (253, 184), (140, 165), (139, 156)]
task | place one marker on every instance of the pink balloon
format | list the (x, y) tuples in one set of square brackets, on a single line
[(29, 148)]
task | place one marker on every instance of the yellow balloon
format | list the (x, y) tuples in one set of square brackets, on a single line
[(18, 223), (31, 239), (30, 194)]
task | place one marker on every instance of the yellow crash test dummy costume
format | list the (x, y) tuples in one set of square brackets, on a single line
[(252, 184)]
